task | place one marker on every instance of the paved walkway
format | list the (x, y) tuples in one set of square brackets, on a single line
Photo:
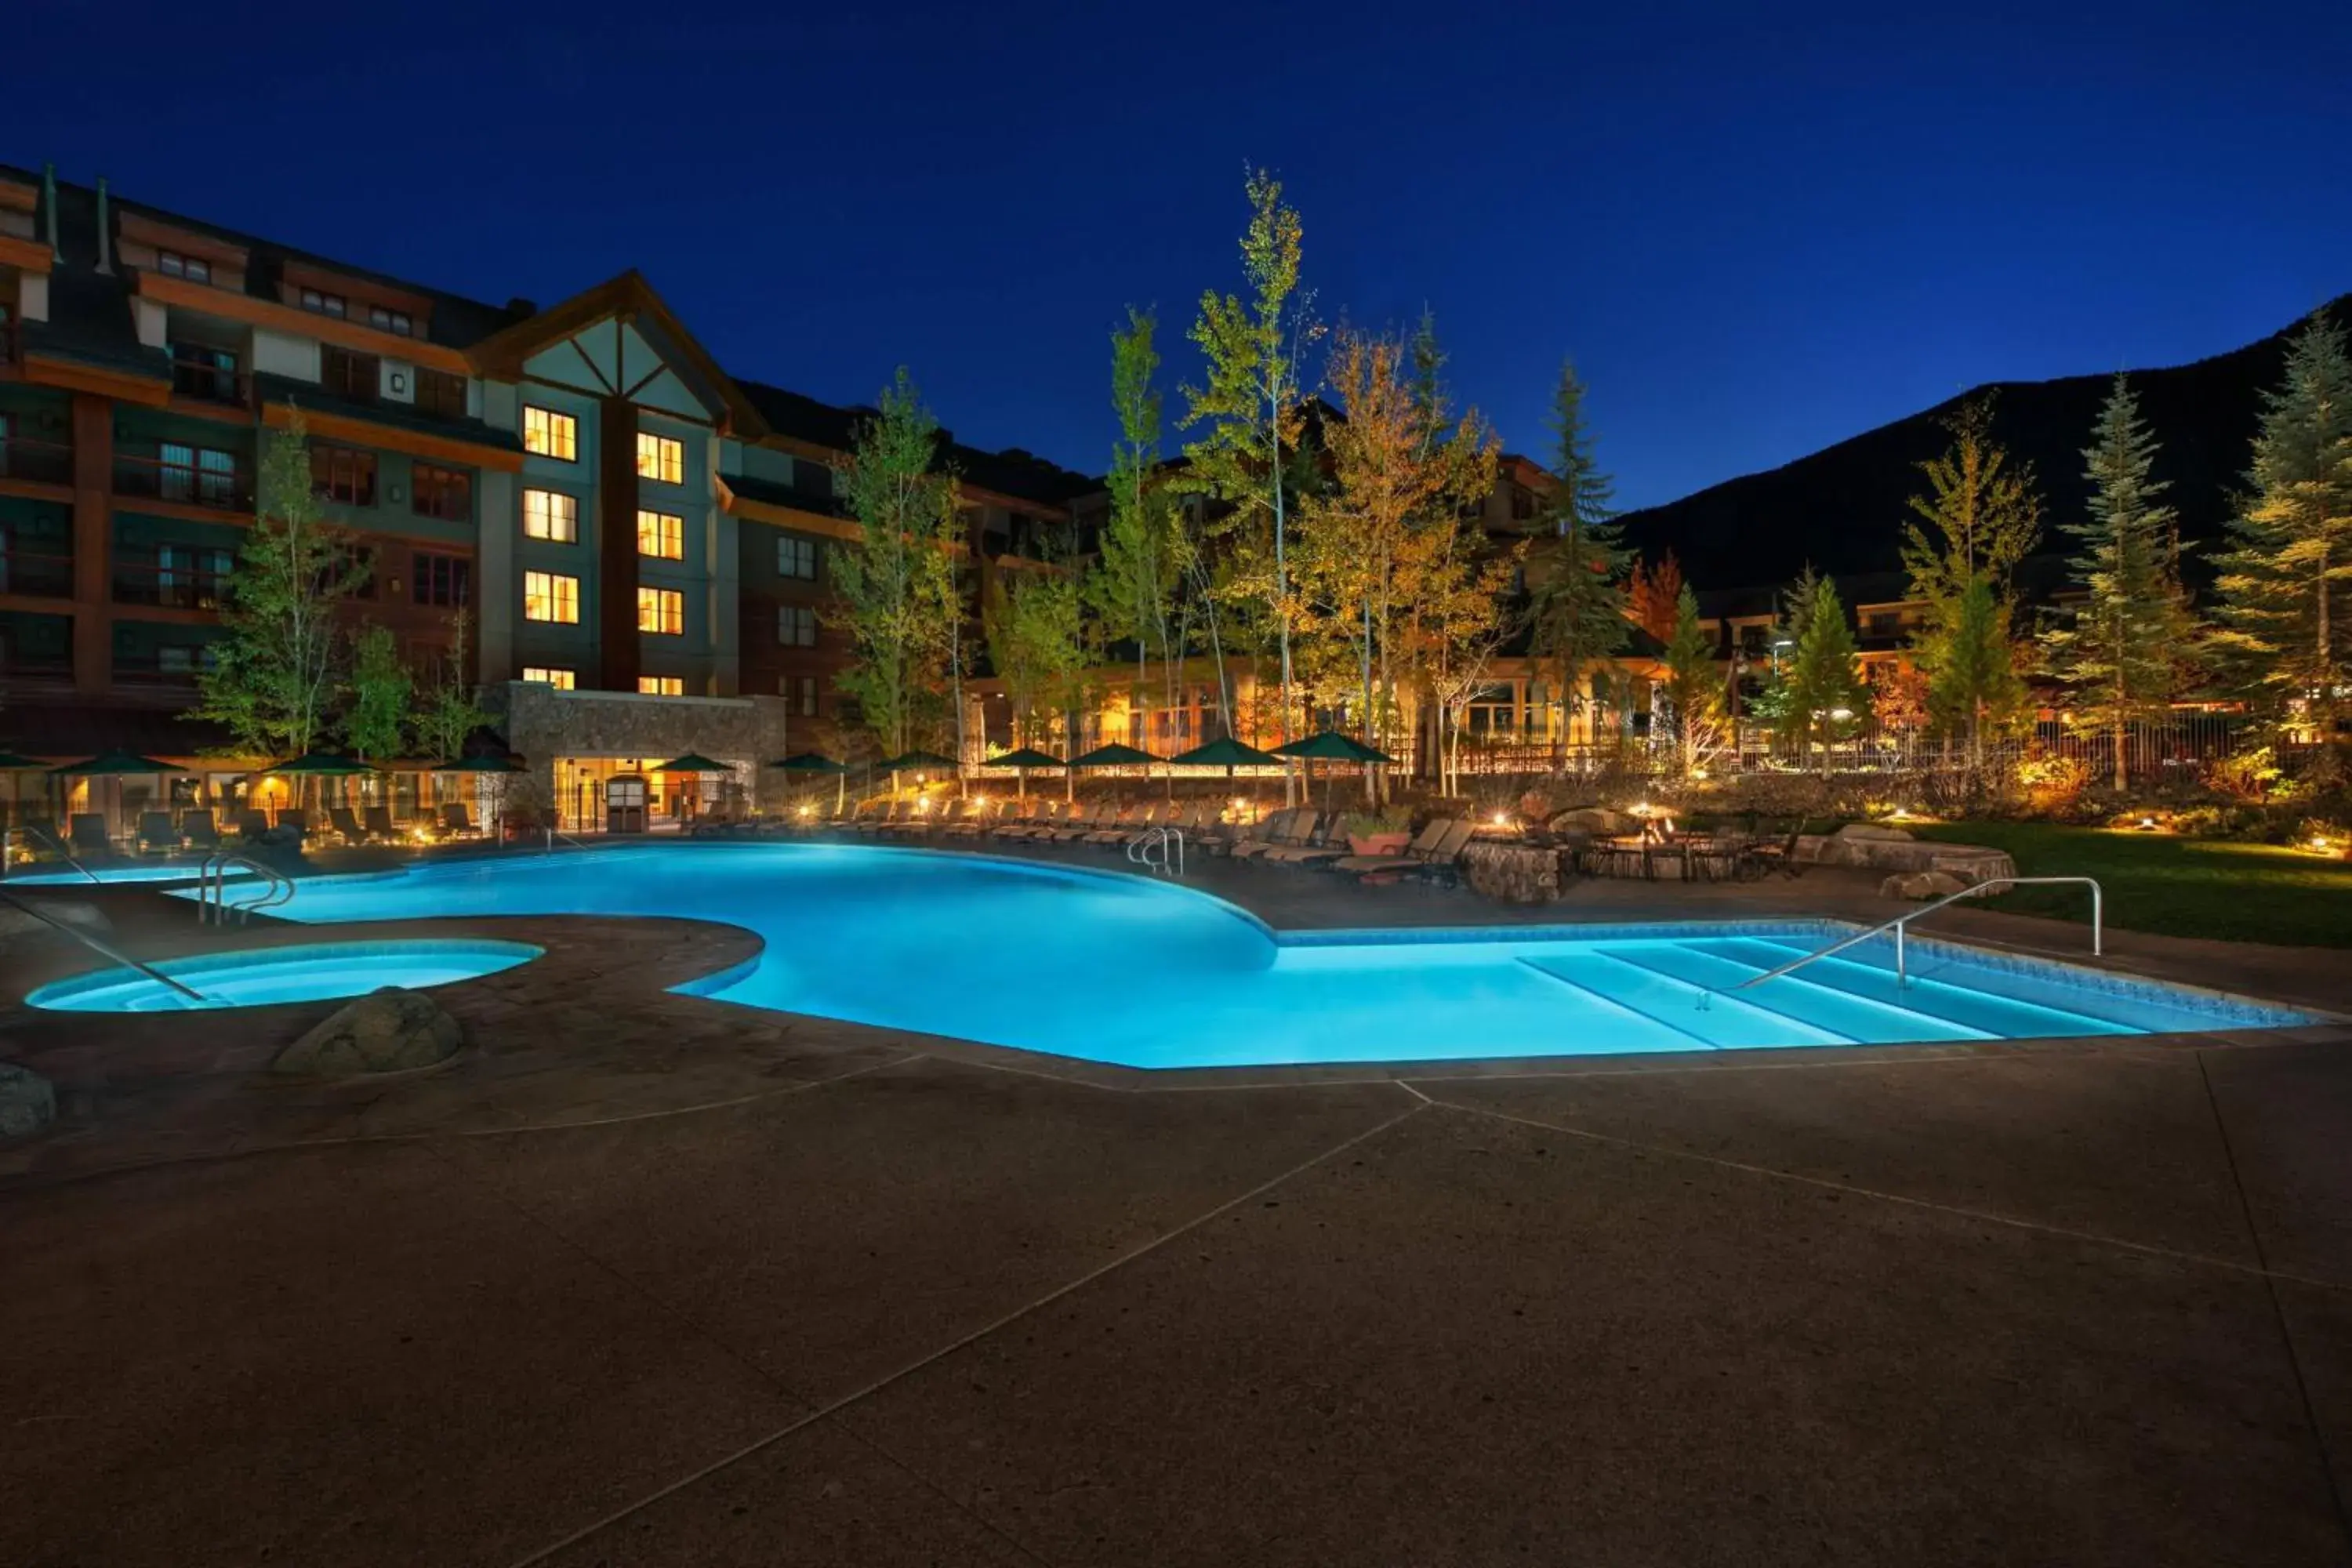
[(646, 1279)]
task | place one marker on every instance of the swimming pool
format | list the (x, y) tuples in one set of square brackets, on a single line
[(1150, 973), (251, 978), (124, 872)]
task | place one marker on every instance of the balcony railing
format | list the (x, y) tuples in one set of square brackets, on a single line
[(42, 462), (149, 670), (208, 383), (32, 672), (167, 587), (41, 576), (152, 478)]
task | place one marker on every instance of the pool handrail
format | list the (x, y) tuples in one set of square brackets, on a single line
[(1901, 922), (106, 950), (59, 846), (211, 887)]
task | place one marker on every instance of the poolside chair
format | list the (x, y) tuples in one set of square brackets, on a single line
[(346, 823), (156, 833), (1766, 855), (974, 820), (252, 822), (296, 818), (1291, 829), (456, 819), (1425, 848), (1129, 825), (89, 836), (1266, 829), (1327, 843), (874, 827), (198, 828), (1051, 816), (1079, 822), (376, 821), (1022, 818)]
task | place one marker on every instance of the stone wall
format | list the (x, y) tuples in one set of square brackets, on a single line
[(1893, 850), (543, 724), (1516, 873)]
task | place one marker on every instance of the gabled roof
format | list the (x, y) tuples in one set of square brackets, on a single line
[(631, 299)]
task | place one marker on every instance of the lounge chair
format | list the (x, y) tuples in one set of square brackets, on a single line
[(156, 833), (1043, 819), (1289, 829), (1022, 818), (972, 821), (252, 822), (346, 823), (456, 819), (1080, 823), (376, 822), (1766, 855), (200, 830), (874, 827), (1327, 843), (296, 818), (1442, 837), (89, 836), (1130, 825)]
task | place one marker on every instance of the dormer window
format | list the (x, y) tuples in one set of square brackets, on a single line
[(194, 269), (333, 305), (384, 321)]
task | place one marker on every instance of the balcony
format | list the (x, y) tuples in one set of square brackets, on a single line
[(152, 478), (41, 462), (35, 575), (179, 587), (154, 677), (32, 674), (203, 380)]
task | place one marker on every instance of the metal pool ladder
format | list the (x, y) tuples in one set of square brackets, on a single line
[(212, 887), (106, 950), (1900, 922), (1161, 839), (59, 846)]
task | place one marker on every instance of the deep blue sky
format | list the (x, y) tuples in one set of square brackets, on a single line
[(1758, 229)]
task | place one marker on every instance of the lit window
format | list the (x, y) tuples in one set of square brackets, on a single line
[(795, 626), (194, 269), (796, 557), (661, 685), (549, 434), (661, 610), (659, 457), (551, 597), (561, 679), (661, 535), (333, 305), (551, 515), (384, 321)]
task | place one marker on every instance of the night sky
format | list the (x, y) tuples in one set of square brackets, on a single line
[(1758, 231)]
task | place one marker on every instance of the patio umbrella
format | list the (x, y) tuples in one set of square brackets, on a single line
[(112, 765), (812, 762), (319, 764), (694, 762), (1332, 746), (1227, 753), (480, 765), (1021, 762), (1116, 755)]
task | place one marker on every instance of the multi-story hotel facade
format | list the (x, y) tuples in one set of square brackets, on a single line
[(639, 541)]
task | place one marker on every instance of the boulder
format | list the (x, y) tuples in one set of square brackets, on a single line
[(389, 1030), (1595, 819), (1873, 830), (27, 1103), (1920, 885), (1516, 873)]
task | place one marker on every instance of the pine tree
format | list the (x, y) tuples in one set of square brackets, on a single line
[(1824, 694), (1577, 591), (2285, 584), (1694, 684), (274, 681), (2123, 653), (896, 586), (1773, 703), (1974, 680)]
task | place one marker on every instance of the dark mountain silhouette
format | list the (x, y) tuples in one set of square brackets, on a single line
[(1842, 508)]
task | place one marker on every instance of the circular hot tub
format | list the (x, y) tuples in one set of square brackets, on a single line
[(255, 977)]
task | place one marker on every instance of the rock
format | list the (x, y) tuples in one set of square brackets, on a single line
[(1517, 873), (391, 1030), (1873, 830), (1920, 885), (27, 1103), (1595, 819)]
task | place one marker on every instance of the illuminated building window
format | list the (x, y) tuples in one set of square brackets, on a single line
[(551, 597)]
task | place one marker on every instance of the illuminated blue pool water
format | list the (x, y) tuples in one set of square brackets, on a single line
[(1149, 973), (125, 872), (260, 975)]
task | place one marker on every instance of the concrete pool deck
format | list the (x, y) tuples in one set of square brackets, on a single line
[(645, 1278)]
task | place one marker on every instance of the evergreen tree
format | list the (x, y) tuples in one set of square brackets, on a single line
[(2123, 653), (1773, 703), (273, 681), (1981, 515), (2285, 584), (1974, 680), (1694, 684), (1824, 694), (1577, 591), (896, 586)]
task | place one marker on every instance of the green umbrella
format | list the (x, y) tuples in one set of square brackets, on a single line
[(694, 762), (812, 762), (17, 762), (1021, 762), (481, 763), (1114, 755), (1332, 746), (1228, 754), (113, 763)]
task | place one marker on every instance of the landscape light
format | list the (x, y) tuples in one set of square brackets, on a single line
[(1501, 820)]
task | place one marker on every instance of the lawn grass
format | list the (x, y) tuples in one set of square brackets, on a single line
[(2177, 887)]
